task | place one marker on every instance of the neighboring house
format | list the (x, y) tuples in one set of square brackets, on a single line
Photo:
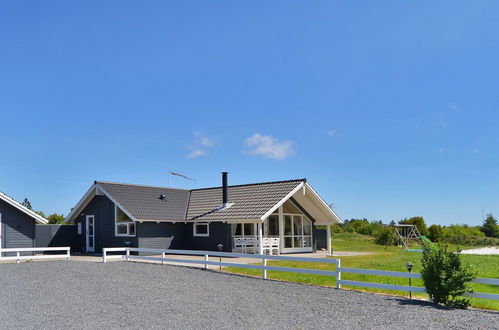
[(117, 214), (17, 224)]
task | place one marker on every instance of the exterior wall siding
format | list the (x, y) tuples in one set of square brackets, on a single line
[(154, 235), (102, 208), (56, 236), (18, 229)]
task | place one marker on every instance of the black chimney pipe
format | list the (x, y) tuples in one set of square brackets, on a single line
[(225, 198)]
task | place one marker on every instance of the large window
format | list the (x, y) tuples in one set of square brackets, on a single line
[(243, 230), (297, 231), (123, 225)]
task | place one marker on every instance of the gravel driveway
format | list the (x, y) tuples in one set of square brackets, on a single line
[(72, 294)]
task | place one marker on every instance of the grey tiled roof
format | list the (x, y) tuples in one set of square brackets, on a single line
[(144, 204), (251, 201)]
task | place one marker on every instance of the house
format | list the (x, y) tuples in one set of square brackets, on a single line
[(17, 224), (117, 214)]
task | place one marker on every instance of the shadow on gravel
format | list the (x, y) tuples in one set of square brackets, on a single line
[(422, 303)]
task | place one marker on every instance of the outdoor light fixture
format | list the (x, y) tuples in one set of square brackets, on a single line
[(220, 248), (409, 269)]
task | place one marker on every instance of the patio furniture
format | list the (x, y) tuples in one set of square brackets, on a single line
[(270, 244), (242, 244)]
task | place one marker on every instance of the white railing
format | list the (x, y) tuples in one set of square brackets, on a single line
[(206, 262), (18, 257), (165, 257)]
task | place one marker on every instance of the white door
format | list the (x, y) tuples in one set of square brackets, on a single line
[(90, 233)]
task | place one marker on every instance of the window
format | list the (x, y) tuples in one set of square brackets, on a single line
[(201, 230), (297, 231), (123, 225), (79, 228)]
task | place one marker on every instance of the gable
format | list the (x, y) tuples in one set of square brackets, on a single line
[(8, 201)]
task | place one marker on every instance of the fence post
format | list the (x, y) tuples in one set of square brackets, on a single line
[(264, 270), (205, 261), (104, 252), (127, 254), (162, 258), (18, 254), (338, 273), (68, 254)]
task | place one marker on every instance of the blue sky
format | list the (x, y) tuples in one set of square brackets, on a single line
[(390, 109)]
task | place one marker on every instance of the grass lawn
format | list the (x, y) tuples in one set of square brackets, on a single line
[(393, 258)]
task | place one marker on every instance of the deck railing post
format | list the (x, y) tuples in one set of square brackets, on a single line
[(68, 254), (205, 261), (104, 253), (338, 274), (264, 270), (127, 254), (18, 254)]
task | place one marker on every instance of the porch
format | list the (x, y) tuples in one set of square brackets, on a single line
[(289, 229)]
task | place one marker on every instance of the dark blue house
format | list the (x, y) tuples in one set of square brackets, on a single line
[(17, 224), (117, 214)]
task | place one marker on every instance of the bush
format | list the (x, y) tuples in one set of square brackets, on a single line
[(337, 228), (445, 278), (435, 233)]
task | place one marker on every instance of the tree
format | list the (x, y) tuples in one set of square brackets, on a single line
[(26, 203), (445, 278), (489, 226), (418, 222), (435, 233), (56, 219), (386, 237), (40, 213)]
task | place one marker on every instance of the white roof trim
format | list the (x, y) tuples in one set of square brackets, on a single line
[(323, 203), (81, 203), (275, 207), (22, 208)]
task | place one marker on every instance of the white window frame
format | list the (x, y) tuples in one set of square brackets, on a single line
[(194, 229), (122, 223)]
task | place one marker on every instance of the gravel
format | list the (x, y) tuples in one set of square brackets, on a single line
[(75, 294)]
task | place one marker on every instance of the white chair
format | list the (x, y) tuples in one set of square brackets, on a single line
[(251, 243), (270, 244)]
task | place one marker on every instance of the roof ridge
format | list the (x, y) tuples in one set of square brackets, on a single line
[(254, 184), (139, 185)]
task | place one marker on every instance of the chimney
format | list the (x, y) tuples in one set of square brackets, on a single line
[(225, 199)]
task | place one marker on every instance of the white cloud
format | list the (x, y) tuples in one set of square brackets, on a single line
[(201, 143), (195, 153), (268, 146), (203, 139), (443, 124), (331, 132), (454, 106)]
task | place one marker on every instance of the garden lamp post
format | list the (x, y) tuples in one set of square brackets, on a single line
[(409, 269), (220, 248)]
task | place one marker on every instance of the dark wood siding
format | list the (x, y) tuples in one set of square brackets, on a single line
[(102, 208), (55, 236), (18, 228)]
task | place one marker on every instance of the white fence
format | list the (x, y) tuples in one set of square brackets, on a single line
[(18, 257), (165, 257)]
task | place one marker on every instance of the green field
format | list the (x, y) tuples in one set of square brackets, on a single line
[(393, 258)]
